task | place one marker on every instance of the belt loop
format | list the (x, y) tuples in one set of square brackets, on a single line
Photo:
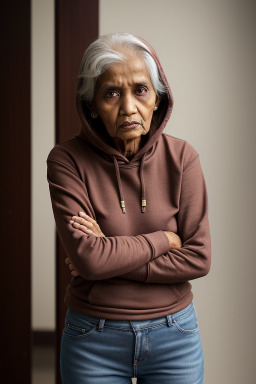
[(101, 325), (169, 320)]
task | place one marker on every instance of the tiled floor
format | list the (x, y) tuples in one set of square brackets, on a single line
[(43, 371)]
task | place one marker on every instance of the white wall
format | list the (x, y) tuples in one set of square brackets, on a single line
[(43, 233), (207, 49)]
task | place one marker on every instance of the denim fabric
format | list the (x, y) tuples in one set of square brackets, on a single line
[(163, 350)]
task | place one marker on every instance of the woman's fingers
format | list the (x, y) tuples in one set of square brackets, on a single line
[(86, 224), (69, 263), (74, 271), (91, 223), (86, 217), (95, 226), (82, 221), (82, 227)]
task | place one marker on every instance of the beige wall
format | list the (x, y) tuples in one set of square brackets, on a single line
[(43, 235), (207, 49)]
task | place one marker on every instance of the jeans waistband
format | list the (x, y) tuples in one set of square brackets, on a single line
[(134, 325)]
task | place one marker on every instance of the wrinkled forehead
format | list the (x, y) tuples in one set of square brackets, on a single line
[(132, 70)]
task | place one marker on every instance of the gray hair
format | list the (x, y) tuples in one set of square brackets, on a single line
[(103, 53)]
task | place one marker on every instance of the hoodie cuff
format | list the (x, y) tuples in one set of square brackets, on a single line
[(159, 243)]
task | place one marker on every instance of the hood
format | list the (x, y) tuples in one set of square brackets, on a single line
[(100, 139), (97, 137)]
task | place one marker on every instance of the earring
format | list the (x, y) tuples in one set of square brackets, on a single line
[(155, 108), (94, 115)]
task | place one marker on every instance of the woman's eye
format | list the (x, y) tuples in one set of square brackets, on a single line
[(141, 90), (111, 94)]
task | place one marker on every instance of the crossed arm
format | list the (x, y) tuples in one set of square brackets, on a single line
[(88, 225), (160, 257)]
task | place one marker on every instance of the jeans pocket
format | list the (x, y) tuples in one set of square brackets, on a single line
[(77, 328), (187, 322)]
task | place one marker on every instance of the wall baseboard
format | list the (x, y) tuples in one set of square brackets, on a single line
[(44, 338)]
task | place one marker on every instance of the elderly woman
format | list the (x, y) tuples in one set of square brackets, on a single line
[(130, 204)]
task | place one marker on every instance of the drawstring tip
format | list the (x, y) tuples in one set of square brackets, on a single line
[(123, 206), (143, 206)]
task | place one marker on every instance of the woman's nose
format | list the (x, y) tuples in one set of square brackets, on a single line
[(127, 105)]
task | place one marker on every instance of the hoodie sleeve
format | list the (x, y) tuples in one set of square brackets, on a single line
[(193, 259), (96, 258)]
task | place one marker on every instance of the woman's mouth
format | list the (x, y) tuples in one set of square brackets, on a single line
[(129, 125)]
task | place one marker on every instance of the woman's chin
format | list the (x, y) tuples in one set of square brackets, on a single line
[(132, 134)]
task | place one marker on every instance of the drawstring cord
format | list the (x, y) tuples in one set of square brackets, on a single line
[(119, 182), (143, 189), (122, 202)]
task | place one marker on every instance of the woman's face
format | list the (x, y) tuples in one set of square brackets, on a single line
[(125, 99)]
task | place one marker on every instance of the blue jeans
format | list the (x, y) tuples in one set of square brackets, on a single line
[(160, 351)]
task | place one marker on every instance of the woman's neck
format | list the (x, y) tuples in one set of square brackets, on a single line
[(129, 147)]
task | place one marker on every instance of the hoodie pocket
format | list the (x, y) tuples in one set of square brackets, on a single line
[(119, 293), (180, 289)]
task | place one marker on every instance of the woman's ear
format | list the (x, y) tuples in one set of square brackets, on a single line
[(158, 99), (91, 106), (92, 109)]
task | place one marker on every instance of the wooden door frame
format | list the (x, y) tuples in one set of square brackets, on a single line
[(16, 335), (76, 26)]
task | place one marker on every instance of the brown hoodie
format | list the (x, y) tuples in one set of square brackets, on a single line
[(131, 274)]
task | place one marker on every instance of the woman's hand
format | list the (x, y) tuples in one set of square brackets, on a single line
[(174, 240), (86, 224), (74, 271)]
